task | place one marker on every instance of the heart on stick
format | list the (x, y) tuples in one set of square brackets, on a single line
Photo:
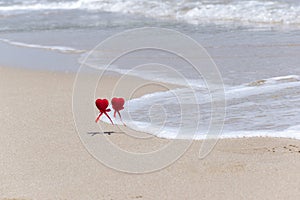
[(102, 105), (118, 104)]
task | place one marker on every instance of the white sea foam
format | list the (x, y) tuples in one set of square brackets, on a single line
[(195, 12), (292, 132), (264, 108), (61, 49)]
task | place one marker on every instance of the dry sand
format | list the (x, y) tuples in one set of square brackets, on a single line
[(42, 156)]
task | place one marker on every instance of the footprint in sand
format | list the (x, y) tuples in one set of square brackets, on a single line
[(286, 149)]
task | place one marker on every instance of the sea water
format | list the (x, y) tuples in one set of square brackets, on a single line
[(254, 43)]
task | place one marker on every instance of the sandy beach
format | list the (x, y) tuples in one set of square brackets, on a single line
[(42, 156)]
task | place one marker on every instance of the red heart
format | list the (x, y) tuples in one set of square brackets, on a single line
[(118, 103), (102, 104)]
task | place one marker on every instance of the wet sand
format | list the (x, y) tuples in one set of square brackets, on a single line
[(42, 156)]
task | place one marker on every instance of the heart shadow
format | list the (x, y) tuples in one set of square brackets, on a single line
[(103, 133)]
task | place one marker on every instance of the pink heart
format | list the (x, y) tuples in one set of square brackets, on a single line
[(118, 103)]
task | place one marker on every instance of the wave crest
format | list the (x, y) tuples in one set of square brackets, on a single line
[(194, 12)]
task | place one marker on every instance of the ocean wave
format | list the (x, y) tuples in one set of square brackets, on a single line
[(194, 12), (275, 80), (263, 86), (293, 132), (253, 110), (60, 49)]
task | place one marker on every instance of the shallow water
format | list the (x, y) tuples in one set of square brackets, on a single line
[(255, 45)]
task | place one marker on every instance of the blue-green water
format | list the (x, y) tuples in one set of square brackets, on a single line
[(251, 42)]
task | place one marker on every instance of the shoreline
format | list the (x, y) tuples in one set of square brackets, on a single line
[(43, 157), (112, 79)]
